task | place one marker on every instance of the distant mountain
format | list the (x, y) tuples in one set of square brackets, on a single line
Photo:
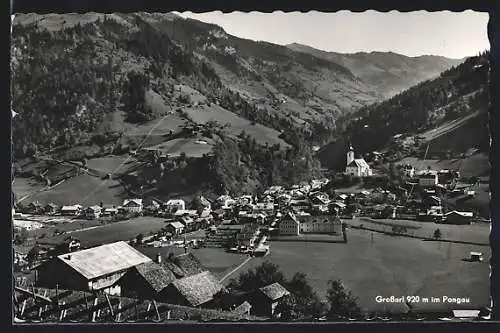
[(387, 72), (446, 116)]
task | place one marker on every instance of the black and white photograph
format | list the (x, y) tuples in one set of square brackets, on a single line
[(257, 167)]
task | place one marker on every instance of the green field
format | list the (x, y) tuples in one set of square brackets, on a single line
[(388, 266), (262, 134), (472, 166), (109, 164), (189, 146), (475, 233), (75, 190), (25, 186), (113, 232)]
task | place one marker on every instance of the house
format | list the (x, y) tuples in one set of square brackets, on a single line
[(408, 170), (71, 210), (273, 190), (51, 208), (289, 225), (188, 222), (95, 269), (356, 166), (265, 299), (175, 205), (197, 290), (264, 207), (338, 206), (109, 211), (322, 224), (153, 206), (428, 178), (245, 200), (93, 212), (225, 201), (132, 206), (145, 280), (456, 217), (175, 228)]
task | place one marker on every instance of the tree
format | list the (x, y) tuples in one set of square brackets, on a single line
[(139, 239), (263, 275), (343, 304), (437, 234)]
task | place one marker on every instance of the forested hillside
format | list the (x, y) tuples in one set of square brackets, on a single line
[(450, 112)]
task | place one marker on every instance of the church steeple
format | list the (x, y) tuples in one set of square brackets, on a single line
[(350, 154)]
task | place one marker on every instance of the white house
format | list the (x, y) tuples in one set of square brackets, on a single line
[(175, 205), (289, 225), (320, 224), (71, 210), (132, 205), (356, 166), (409, 170), (428, 178)]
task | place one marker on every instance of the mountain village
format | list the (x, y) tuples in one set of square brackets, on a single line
[(313, 211)]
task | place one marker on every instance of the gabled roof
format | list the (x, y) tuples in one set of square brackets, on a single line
[(242, 308), (156, 275), (359, 162), (176, 225), (173, 202), (189, 264), (104, 259), (198, 289), (274, 291), (463, 214), (132, 202)]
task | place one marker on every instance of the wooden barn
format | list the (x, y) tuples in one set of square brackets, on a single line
[(199, 290), (94, 269)]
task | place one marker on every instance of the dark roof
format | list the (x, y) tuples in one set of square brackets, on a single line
[(189, 264), (176, 270), (274, 291), (156, 275), (199, 288)]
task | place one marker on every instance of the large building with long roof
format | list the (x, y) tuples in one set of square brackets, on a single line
[(95, 269)]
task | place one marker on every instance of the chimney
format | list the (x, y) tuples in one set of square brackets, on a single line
[(158, 258)]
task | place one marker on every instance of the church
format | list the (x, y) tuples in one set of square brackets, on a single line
[(356, 166)]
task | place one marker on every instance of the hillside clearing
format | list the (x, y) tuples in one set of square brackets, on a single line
[(262, 134), (76, 189)]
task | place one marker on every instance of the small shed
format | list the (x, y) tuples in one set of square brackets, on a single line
[(267, 298)]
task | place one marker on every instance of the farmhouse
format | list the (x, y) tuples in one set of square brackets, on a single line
[(456, 217), (356, 166), (408, 170), (93, 212), (94, 269), (197, 290), (320, 224), (289, 225), (132, 205), (265, 299), (71, 210), (175, 228)]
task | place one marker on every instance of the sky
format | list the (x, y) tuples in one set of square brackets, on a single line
[(449, 34)]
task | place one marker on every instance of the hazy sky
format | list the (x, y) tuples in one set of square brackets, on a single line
[(454, 35)]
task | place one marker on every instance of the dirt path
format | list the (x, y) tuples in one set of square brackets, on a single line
[(237, 268)]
